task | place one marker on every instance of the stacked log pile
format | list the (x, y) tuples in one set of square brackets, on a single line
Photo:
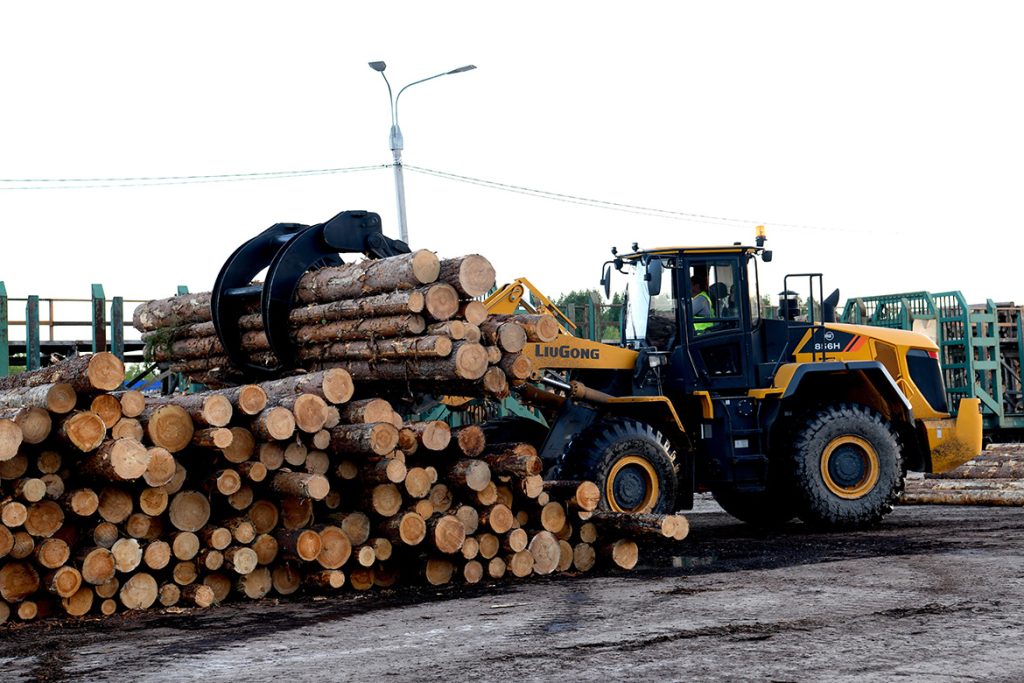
[(111, 500), (996, 477), (408, 322)]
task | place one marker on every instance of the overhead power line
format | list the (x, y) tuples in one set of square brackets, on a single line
[(148, 181), (617, 206)]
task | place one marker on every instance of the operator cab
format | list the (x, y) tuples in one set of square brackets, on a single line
[(694, 310)]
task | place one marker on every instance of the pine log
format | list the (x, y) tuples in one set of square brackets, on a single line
[(532, 486), (327, 580), (582, 495), (468, 361), (388, 303), (629, 524), (169, 595), (378, 349), (157, 555), (336, 548), (105, 534), (184, 545), (356, 526), (470, 473), (383, 499), (438, 571), (256, 584), (58, 398), (64, 582), (540, 328), (519, 460), (225, 482), (515, 540), (300, 484), (489, 545), (107, 407), (489, 496), (440, 497), (493, 354), (552, 517), (286, 578), (29, 489), (370, 276), (240, 559), (454, 330), (189, 511), (496, 568), (199, 595), (564, 557), (446, 533), (509, 336), (128, 427), (417, 482), (14, 467), (264, 516), (471, 275), (51, 553), (469, 517), (520, 564), (208, 409), (366, 411), (6, 541), (174, 311), (139, 592), (433, 435), (623, 553), (383, 471), (185, 573), (83, 429), (498, 517), (243, 445), (516, 366), (127, 555), (295, 454), (546, 552), (97, 565), (86, 374), (473, 312), (117, 460), (273, 424), (132, 402), (44, 519), (379, 438), (267, 549), (305, 544), (48, 462), (583, 557), (168, 426), (18, 580), (469, 440), (364, 555), (296, 513)]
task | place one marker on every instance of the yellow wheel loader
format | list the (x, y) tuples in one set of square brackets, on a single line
[(781, 416)]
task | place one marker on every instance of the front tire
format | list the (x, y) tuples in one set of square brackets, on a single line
[(632, 463), (847, 468)]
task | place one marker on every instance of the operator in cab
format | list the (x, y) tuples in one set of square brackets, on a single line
[(701, 300)]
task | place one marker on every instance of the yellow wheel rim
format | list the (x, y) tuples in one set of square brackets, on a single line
[(849, 467), (632, 485)]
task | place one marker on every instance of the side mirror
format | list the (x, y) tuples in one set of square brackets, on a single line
[(766, 255), (606, 280), (654, 271)]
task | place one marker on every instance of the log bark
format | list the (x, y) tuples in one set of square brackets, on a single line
[(175, 311), (304, 544), (508, 336), (300, 485), (516, 366), (399, 348), (540, 328), (582, 495), (433, 435), (208, 409), (519, 460), (408, 529), (470, 473), (469, 440), (89, 373), (354, 280), (58, 397), (366, 411), (378, 438), (117, 460), (628, 524), (468, 361), (273, 424)]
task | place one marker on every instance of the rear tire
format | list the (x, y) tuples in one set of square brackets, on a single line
[(847, 468), (632, 463)]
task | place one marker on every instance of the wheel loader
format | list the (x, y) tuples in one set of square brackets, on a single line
[(778, 416)]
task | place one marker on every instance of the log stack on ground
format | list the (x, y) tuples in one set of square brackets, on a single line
[(222, 495), (996, 477)]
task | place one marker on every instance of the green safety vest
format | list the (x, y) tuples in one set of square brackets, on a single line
[(701, 327)]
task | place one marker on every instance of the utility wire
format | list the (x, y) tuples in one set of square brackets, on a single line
[(615, 206), (147, 181)]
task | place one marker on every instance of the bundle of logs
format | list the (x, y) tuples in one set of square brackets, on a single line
[(996, 477), (113, 500), (408, 322)]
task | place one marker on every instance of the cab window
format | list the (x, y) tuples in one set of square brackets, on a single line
[(714, 297)]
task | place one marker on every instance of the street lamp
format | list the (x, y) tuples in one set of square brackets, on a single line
[(397, 142)]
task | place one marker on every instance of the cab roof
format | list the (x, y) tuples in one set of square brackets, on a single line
[(672, 251)]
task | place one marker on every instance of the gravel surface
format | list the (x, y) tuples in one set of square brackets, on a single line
[(934, 594)]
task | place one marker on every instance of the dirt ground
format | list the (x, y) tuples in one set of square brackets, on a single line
[(934, 594)]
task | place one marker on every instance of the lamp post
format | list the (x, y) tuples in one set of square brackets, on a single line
[(396, 138)]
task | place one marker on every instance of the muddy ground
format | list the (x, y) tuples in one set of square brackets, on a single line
[(934, 594)]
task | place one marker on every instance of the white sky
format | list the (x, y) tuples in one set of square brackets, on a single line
[(895, 125)]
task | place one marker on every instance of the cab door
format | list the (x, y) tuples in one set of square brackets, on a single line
[(716, 353)]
